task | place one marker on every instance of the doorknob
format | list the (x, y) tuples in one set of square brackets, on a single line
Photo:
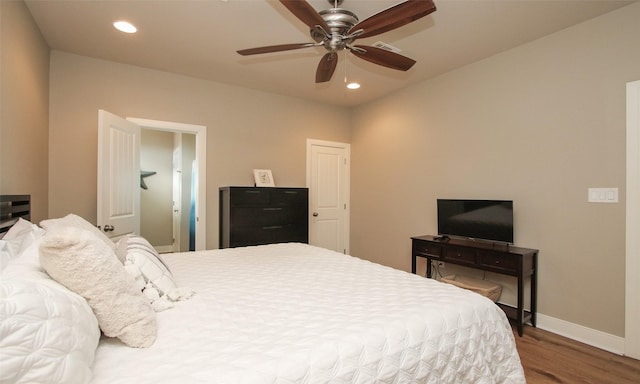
[(109, 228), (315, 214)]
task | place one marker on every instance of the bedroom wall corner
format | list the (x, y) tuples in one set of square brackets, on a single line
[(24, 108), (538, 124)]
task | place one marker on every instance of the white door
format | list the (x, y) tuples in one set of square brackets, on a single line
[(118, 175), (328, 183)]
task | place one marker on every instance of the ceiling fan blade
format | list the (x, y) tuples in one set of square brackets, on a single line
[(395, 17), (326, 67), (383, 57), (274, 48), (306, 13)]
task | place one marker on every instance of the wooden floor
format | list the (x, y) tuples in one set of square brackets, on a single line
[(550, 358)]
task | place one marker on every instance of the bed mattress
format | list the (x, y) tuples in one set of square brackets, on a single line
[(294, 313)]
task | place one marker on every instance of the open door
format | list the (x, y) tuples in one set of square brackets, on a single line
[(118, 175)]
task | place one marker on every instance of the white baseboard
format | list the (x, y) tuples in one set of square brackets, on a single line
[(595, 338)]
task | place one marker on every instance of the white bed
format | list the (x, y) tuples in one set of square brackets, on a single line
[(294, 313)]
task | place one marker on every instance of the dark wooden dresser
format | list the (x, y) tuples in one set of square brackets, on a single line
[(498, 258), (263, 215)]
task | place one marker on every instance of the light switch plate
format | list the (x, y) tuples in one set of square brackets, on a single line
[(602, 195)]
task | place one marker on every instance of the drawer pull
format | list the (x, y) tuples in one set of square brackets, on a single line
[(273, 227), (272, 209)]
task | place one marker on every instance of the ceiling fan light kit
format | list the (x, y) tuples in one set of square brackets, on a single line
[(336, 29)]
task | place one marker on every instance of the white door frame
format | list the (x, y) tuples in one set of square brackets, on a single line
[(632, 285), (347, 192), (176, 183), (201, 160)]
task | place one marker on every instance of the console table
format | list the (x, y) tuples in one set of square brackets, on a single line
[(493, 257)]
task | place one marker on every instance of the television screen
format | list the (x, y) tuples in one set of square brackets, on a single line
[(476, 219)]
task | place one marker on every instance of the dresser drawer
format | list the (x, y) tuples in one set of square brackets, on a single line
[(249, 197), (428, 249), (461, 255), (268, 234), (289, 197), (260, 216), (501, 261)]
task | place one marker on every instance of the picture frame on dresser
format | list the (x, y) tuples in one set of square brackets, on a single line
[(263, 178)]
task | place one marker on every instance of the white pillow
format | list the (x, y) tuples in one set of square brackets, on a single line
[(19, 229), (146, 258), (17, 239), (151, 274), (8, 250), (48, 334), (78, 222), (77, 259)]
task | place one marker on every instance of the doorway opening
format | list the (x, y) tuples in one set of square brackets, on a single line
[(179, 150), (167, 190)]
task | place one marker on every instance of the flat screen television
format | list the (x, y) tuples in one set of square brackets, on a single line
[(490, 220)]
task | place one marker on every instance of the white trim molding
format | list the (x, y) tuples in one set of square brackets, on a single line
[(632, 267), (593, 337)]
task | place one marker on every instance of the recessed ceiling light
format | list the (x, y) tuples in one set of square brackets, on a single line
[(353, 85), (125, 27)]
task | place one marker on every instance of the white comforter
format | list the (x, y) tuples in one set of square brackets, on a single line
[(293, 313)]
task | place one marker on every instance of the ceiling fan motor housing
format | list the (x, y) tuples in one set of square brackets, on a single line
[(340, 22)]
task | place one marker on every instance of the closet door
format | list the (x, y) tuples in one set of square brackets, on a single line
[(328, 182)]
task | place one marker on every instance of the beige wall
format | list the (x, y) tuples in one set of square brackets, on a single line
[(538, 124), (245, 129), (24, 107)]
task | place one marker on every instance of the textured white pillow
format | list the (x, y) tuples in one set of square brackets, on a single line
[(86, 265), (78, 222), (48, 334)]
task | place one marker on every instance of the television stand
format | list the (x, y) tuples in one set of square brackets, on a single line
[(504, 259)]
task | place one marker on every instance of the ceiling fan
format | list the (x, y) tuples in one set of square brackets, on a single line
[(337, 28)]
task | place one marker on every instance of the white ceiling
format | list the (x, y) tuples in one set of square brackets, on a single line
[(200, 39)]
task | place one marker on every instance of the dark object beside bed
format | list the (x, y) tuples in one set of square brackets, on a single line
[(264, 215), (13, 207)]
